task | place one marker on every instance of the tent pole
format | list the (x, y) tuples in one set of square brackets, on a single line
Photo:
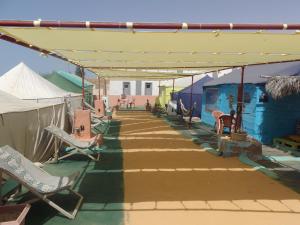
[(82, 82), (240, 102)]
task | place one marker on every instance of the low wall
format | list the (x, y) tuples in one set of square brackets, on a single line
[(139, 100)]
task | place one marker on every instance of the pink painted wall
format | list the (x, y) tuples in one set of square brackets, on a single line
[(139, 100)]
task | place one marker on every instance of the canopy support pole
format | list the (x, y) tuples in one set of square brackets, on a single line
[(173, 85), (191, 93), (105, 93), (240, 103), (159, 87), (191, 103), (99, 83), (82, 82)]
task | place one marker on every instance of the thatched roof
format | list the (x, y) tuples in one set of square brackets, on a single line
[(281, 86)]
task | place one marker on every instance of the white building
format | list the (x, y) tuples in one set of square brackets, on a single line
[(133, 88)]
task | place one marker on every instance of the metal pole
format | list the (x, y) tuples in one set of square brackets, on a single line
[(82, 83), (105, 91), (158, 87), (173, 85), (191, 103), (240, 102), (130, 25), (99, 87), (191, 94)]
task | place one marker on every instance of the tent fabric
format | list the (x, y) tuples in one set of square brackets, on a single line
[(24, 83), (71, 83), (22, 126), (185, 95), (76, 80), (257, 74), (10, 103), (208, 51)]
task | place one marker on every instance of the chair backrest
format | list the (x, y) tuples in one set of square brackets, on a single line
[(20, 168), (227, 120), (217, 114), (64, 136)]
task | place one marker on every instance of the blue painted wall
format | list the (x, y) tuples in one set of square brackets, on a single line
[(185, 97), (261, 120)]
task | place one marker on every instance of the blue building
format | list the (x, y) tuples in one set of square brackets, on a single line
[(264, 118)]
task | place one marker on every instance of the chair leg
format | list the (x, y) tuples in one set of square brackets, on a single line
[(46, 199), (63, 211), (75, 151), (89, 155)]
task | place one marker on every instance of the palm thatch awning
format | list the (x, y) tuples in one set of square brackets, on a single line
[(281, 86)]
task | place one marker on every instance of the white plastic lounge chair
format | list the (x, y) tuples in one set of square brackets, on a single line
[(36, 180), (78, 147)]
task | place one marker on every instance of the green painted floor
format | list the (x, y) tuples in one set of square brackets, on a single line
[(165, 167), (97, 190)]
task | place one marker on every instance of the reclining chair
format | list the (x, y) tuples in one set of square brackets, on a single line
[(39, 182), (77, 147)]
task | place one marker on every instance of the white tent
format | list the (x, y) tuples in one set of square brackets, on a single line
[(10, 103), (22, 125), (24, 83)]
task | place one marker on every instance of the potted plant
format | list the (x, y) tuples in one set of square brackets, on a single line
[(13, 214)]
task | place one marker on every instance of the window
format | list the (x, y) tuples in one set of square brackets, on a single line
[(126, 88), (148, 88), (211, 99)]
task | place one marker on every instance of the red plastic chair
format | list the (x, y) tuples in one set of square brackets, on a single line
[(216, 115)]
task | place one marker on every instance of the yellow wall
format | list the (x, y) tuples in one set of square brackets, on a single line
[(164, 94)]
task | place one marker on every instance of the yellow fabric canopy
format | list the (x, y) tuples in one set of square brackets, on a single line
[(103, 50), (143, 74)]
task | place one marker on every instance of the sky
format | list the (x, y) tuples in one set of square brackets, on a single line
[(190, 11)]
